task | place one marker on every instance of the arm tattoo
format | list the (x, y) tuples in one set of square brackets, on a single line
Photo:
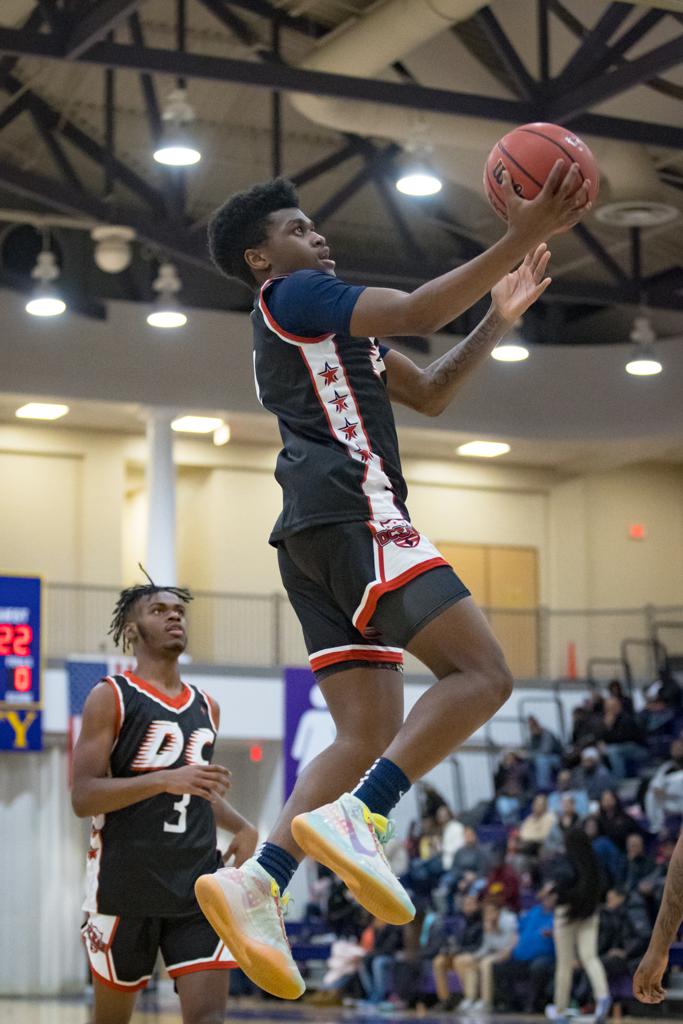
[(447, 372), (671, 910)]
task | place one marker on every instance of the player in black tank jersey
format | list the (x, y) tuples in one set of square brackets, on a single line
[(142, 769), (363, 581)]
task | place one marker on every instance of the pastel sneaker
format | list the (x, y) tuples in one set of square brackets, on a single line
[(244, 908), (347, 838)]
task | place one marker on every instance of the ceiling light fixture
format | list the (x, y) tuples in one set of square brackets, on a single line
[(177, 146), (221, 435), (483, 449), (45, 301), (196, 424), (419, 180), (167, 312), (644, 362), (41, 411), (113, 251), (510, 352)]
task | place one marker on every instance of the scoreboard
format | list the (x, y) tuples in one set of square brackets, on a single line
[(20, 675)]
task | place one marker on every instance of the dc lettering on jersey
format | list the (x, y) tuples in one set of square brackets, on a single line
[(405, 536), (163, 745)]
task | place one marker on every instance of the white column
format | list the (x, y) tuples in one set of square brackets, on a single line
[(161, 555)]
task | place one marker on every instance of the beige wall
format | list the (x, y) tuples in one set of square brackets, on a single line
[(74, 504)]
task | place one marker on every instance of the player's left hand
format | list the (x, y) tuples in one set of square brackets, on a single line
[(647, 981), (242, 846), (515, 292)]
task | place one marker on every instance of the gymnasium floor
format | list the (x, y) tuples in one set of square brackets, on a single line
[(164, 1011)]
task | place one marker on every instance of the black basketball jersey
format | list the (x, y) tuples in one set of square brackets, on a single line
[(144, 859), (340, 461)]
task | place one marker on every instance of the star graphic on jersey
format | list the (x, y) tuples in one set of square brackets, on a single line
[(329, 374), (349, 429), (364, 454), (339, 401)]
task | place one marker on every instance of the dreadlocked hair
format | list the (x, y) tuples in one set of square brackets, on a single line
[(242, 223), (129, 597)]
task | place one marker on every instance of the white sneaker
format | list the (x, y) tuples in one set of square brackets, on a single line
[(465, 1004), (244, 908), (347, 838)]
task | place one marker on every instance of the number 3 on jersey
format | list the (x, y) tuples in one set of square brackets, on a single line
[(181, 807)]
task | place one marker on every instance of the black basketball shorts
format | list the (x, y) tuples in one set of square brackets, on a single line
[(122, 950), (362, 590)]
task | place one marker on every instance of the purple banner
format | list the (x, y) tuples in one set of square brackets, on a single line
[(309, 727)]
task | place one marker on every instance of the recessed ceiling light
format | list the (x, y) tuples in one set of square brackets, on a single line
[(41, 411), (483, 449), (221, 435), (419, 182), (196, 424)]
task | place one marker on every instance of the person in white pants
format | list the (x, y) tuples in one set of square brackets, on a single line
[(578, 884)]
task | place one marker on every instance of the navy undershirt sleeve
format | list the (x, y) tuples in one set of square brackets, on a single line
[(309, 303)]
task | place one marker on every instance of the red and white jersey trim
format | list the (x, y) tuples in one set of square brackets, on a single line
[(175, 704), (120, 706), (355, 652), (220, 960), (396, 563), (335, 394), (293, 339), (98, 935)]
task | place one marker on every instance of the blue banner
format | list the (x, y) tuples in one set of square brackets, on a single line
[(309, 726), (20, 730), (20, 641)]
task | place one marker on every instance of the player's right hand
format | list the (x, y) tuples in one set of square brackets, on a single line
[(559, 206), (647, 981), (205, 780)]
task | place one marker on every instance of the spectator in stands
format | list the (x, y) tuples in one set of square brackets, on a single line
[(342, 975), (475, 970), (638, 864), (513, 783), (469, 863), (343, 914), (592, 775), (502, 881), (531, 960), (624, 932), (420, 946), (567, 820), (466, 941), (564, 787), (664, 796), (578, 883), (612, 860), (615, 823), (536, 828), (621, 739), (616, 689), (545, 751), (377, 967), (452, 835)]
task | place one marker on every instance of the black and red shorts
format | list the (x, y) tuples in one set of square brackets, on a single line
[(122, 950), (363, 590)]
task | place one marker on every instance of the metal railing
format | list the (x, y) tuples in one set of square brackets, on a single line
[(261, 630)]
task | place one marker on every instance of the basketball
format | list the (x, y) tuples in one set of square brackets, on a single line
[(529, 153)]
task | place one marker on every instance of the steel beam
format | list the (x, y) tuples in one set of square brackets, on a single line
[(410, 242), (364, 175), (146, 82), (328, 163), (575, 101), (270, 75), (238, 26), (627, 40), (54, 120), (593, 46), (601, 254), (58, 153), (165, 235), (526, 87), (95, 25)]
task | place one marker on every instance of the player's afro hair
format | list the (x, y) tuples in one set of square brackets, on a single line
[(242, 223)]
